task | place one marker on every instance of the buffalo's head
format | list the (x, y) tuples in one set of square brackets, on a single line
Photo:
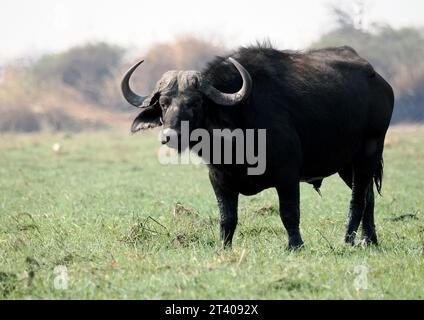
[(178, 96)]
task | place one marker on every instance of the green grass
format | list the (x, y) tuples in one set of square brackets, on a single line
[(127, 227)]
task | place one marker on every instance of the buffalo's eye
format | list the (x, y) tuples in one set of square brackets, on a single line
[(195, 83), (164, 101)]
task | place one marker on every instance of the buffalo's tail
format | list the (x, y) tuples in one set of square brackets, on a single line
[(378, 175)]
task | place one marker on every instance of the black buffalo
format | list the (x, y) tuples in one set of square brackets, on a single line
[(325, 111)]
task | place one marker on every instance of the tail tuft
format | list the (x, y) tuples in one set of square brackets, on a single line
[(378, 176)]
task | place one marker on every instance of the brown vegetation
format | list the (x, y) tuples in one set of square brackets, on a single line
[(79, 89)]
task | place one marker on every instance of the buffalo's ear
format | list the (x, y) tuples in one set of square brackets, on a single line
[(149, 117)]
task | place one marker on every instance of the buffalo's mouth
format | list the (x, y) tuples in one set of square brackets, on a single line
[(171, 138)]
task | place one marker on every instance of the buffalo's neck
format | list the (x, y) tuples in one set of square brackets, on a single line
[(218, 117), (221, 117)]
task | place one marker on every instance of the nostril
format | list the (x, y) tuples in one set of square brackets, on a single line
[(166, 135)]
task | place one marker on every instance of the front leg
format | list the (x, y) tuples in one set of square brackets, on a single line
[(227, 203), (288, 195)]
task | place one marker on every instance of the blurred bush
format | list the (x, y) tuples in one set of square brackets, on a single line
[(85, 69), (398, 55), (14, 121), (80, 88), (185, 53)]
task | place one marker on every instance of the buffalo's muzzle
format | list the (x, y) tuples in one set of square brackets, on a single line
[(169, 135)]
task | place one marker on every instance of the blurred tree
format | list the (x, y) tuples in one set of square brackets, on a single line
[(396, 54), (80, 88), (95, 70), (187, 53), (76, 89), (86, 69), (348, 14)]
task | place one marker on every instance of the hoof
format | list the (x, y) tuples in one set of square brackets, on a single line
[(296, 247), (226, 245), (350, 238), (368, 240), (295, 244)]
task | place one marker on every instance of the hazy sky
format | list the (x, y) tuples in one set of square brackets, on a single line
[(30, 28)]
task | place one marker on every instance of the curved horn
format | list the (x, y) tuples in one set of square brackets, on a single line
[(129, 95), (230, 99)]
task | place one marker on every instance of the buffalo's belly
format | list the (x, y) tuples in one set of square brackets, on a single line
[(235, 178), (250, 185), (325, 160)]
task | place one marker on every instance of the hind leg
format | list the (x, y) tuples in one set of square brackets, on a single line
[(369, 235), (359, 179), (360, 184)]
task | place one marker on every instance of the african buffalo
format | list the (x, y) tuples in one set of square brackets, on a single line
[(325, 111)]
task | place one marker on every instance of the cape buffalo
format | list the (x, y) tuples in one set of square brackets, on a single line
[(325, 111)]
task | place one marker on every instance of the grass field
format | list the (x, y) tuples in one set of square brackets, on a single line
[(125, 226)]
